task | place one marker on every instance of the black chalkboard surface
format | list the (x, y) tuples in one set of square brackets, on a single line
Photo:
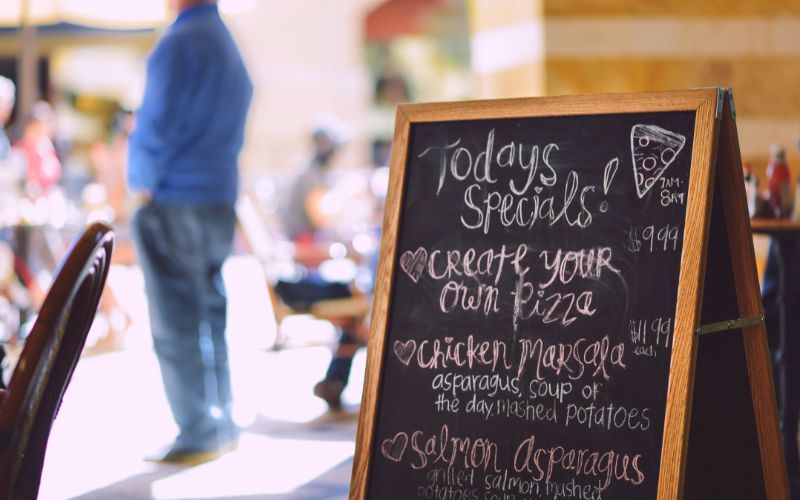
[(533, 268)]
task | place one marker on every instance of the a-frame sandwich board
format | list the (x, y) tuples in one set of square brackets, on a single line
[(720, 431), (721, 411)]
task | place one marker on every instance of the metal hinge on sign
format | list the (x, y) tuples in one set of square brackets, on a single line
[(720, 103), (730, 100), (731, 324)]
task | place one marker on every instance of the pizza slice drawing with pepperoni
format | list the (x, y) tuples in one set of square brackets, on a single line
[(653, 150)]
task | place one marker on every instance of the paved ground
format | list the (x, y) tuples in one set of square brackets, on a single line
[(114, 414)]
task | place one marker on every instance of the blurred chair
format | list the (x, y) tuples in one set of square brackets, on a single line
[(275, 254), (48, 360)]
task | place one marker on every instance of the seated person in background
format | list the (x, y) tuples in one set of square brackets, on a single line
[(8, 94), (36, 144), (780, 292), (305, 219), (12, 163)]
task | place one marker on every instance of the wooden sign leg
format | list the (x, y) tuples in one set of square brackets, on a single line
[(734, 442)]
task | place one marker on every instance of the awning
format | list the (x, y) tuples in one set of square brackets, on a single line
[(395, 18), (102, 14)]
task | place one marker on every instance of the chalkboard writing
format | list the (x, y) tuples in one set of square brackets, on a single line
[(532, 309)]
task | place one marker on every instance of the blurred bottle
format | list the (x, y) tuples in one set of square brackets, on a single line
[(747, 172), (778, 187), (751, 187)]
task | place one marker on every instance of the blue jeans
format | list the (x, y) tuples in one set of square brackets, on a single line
[(181, 249)]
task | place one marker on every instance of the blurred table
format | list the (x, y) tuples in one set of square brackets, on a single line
[(781, 297), (774, 226)]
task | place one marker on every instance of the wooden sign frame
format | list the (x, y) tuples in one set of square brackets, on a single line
[(715, 181)]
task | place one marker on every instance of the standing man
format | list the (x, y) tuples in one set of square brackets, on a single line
[(183, 170)]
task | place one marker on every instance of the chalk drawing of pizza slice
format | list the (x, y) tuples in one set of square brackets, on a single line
[(653, 149)]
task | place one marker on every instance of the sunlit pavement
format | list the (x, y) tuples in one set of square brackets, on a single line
[(114, 414)]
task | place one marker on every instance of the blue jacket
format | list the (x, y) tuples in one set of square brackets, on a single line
[(190, 128)]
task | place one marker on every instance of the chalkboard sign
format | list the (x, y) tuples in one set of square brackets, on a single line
[(534, 332)]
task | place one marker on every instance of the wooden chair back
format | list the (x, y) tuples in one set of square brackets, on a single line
[(48, 359)]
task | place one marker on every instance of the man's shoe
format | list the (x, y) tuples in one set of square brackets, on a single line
[(177, 456), (330, 391), (184, 457)]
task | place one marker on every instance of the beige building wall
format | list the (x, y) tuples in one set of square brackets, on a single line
[(590, 46), (303, 66), (507, 47)]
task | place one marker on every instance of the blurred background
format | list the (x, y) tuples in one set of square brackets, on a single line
[(87, 59), (343, 65)]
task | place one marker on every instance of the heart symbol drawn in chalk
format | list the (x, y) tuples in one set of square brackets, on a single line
[(394, 448), (414, 262), (404, 350)]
